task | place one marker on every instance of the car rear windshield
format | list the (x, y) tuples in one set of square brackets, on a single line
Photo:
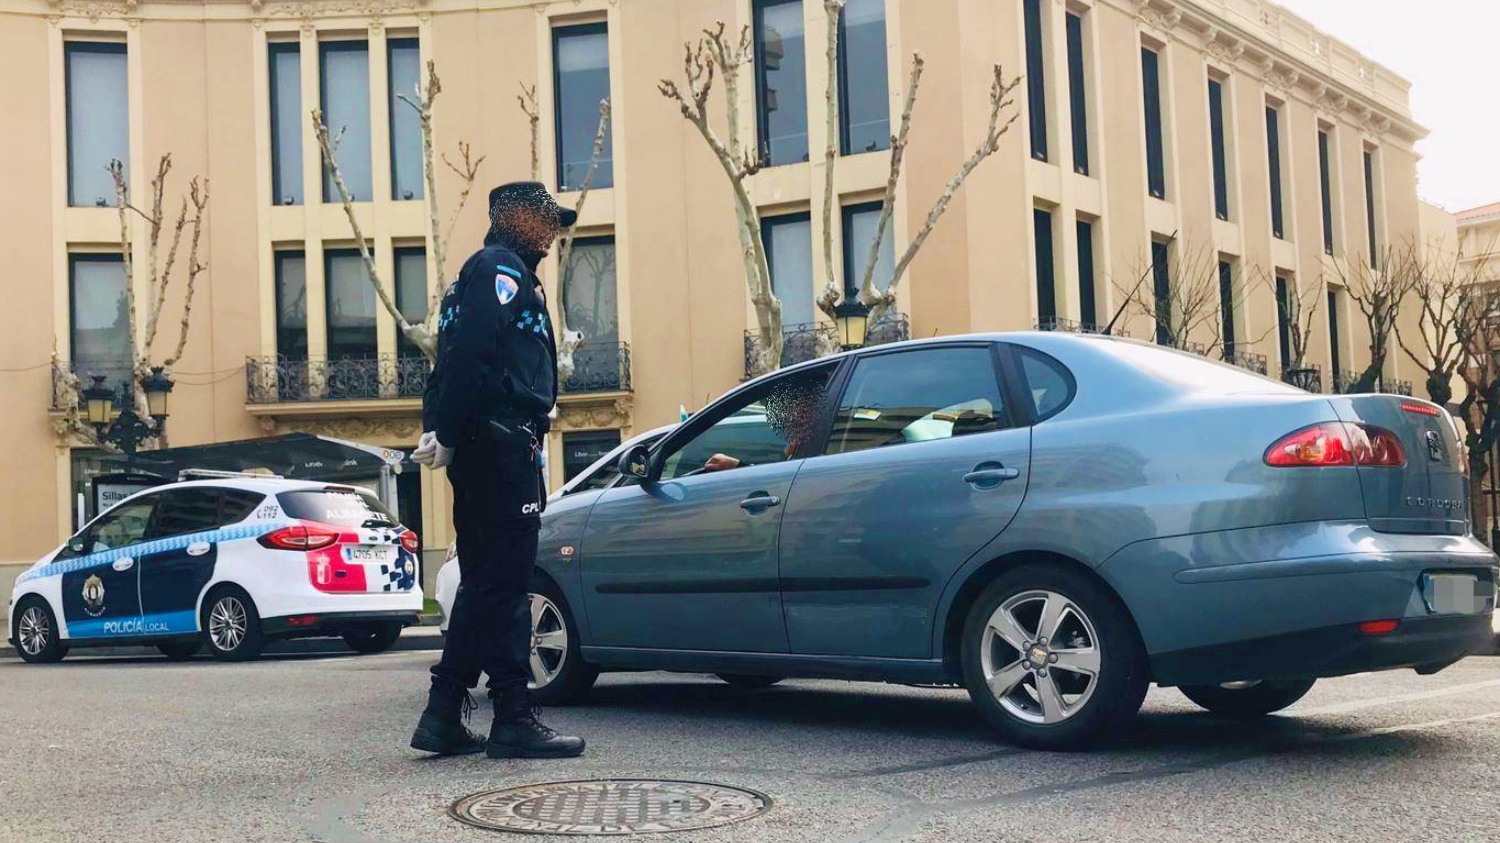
[(1190, 370), (339, 507)]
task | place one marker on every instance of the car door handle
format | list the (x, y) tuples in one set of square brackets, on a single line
[(992, 476), (759, 503)]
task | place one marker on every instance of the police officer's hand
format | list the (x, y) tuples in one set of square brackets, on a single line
[(426, 448), (443, 456)]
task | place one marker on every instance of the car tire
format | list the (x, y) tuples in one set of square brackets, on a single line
[(180, 649), (368, 639), (568, 677), (1248, 701), (35, 631), (748, 681), (233, 634), (1102, 667)]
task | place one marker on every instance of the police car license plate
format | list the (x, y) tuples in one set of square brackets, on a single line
[(368, 553), (1456, 594)]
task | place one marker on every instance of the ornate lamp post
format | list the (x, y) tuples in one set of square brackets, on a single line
[(853, 321), (128, 430)]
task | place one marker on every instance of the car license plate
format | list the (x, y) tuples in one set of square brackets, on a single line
[(1456, 594), (367, 553)]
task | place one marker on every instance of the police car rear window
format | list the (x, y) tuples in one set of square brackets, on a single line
[(337, 507)]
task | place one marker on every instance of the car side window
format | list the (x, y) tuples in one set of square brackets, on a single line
[(918, 395), (767, 424), (123, 526), (182, 511), (1048, 384), (235, 505)]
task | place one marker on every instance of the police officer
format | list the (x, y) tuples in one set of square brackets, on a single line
[(484, 415)]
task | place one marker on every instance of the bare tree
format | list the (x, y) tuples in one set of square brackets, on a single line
[(422, 334), (714, 53), (880, 301), (572, 338), (1444, 292), (1478, 334), (1299, 312), (160, 268), (1190, 317), (1379, 292)]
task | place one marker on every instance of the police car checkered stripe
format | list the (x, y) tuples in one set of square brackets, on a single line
[(104, 557)]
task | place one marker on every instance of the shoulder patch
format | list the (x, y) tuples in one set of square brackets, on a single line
[(505, 288)]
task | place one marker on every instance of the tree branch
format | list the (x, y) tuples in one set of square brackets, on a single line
[(833, 291)]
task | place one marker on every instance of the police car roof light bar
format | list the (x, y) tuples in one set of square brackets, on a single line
[(212, 474)]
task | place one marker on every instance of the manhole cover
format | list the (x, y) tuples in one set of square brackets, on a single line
[(610, 806)]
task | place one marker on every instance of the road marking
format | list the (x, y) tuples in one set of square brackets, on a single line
[(1356, 705)]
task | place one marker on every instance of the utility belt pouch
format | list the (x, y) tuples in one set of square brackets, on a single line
[(513, 433)]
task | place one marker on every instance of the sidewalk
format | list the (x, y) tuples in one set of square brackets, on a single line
[(412, 638)]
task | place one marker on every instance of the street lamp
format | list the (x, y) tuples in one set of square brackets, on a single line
[(157, 386), (99, 402), (853, 320), (128, 430)]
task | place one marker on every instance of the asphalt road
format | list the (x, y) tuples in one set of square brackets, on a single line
[(313, 748)]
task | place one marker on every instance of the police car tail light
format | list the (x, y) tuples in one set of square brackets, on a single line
[(409, 541), (300, 537), (1336, 444)]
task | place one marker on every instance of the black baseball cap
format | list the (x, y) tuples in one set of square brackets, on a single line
[(532, 192)]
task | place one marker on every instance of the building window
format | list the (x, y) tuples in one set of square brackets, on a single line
[(1216, 138), (1226, 307), (865, 113), (1087, 309), (1078, 104), (286, 123), (1036, 82), (1156, 167), (581, 450), (291, 305), (345, 72), (788, 244), (1273, 164), (99, 321), (591, 297), (351, 305), (860, 222), (781, 81), (1046, 281), (98, 120), (405, 71), (580, 61), (1325, 184), (1161, 284), (1283, 321), (1335, 365), (411, 293), (1370, 204)]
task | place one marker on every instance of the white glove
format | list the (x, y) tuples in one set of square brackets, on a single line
[(443, 456), (426, 448)]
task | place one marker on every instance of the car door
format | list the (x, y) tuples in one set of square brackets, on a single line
[(101, 596), (923, 465), (181, 552), (688, 560)]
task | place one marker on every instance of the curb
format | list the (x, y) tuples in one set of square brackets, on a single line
[(413, 639)]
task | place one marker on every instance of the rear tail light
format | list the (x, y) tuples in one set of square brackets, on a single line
[(409, 541), (1379, 627), (1420, 409), (1337, 443), (300, 537)]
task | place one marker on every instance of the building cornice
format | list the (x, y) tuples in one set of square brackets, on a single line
[(1290, 55)]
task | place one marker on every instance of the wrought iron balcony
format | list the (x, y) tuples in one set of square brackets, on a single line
[(1250, 360), (599, 367), (1344, 380), (116, 374), (273, 380), (894, 327), (1399, 387), (1061, 323), (803, 341), (1309, 378)]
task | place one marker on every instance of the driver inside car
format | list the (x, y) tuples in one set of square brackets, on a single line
[(792, 411)]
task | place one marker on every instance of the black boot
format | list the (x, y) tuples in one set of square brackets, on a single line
[(441, 729), (517, 733)]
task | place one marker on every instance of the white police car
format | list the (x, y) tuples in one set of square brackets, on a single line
[(228, 564)]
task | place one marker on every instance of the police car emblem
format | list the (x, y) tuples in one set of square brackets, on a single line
[(93, 596), (505, 288)]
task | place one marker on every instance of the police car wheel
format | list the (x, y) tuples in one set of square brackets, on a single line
[(373, 637), (231, 625), (180, 649), (35, 632), (560, 676)]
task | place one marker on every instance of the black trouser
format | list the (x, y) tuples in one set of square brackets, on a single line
[(496, 512)]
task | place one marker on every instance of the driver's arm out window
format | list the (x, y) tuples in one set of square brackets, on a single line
[(767, 425)]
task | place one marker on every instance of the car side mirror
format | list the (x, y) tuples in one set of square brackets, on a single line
[(636, 462), (77, 544)]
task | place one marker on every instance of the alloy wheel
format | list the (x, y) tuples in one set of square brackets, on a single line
[(1040, 657), (549, 641), (227, 623), (35, 631)]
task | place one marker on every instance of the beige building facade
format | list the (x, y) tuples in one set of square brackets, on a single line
[(1270, 147)]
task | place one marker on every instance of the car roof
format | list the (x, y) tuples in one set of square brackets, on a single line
[(264, 485)]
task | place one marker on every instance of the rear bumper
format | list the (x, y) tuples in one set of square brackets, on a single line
[(315, 624), (1427, 644)]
